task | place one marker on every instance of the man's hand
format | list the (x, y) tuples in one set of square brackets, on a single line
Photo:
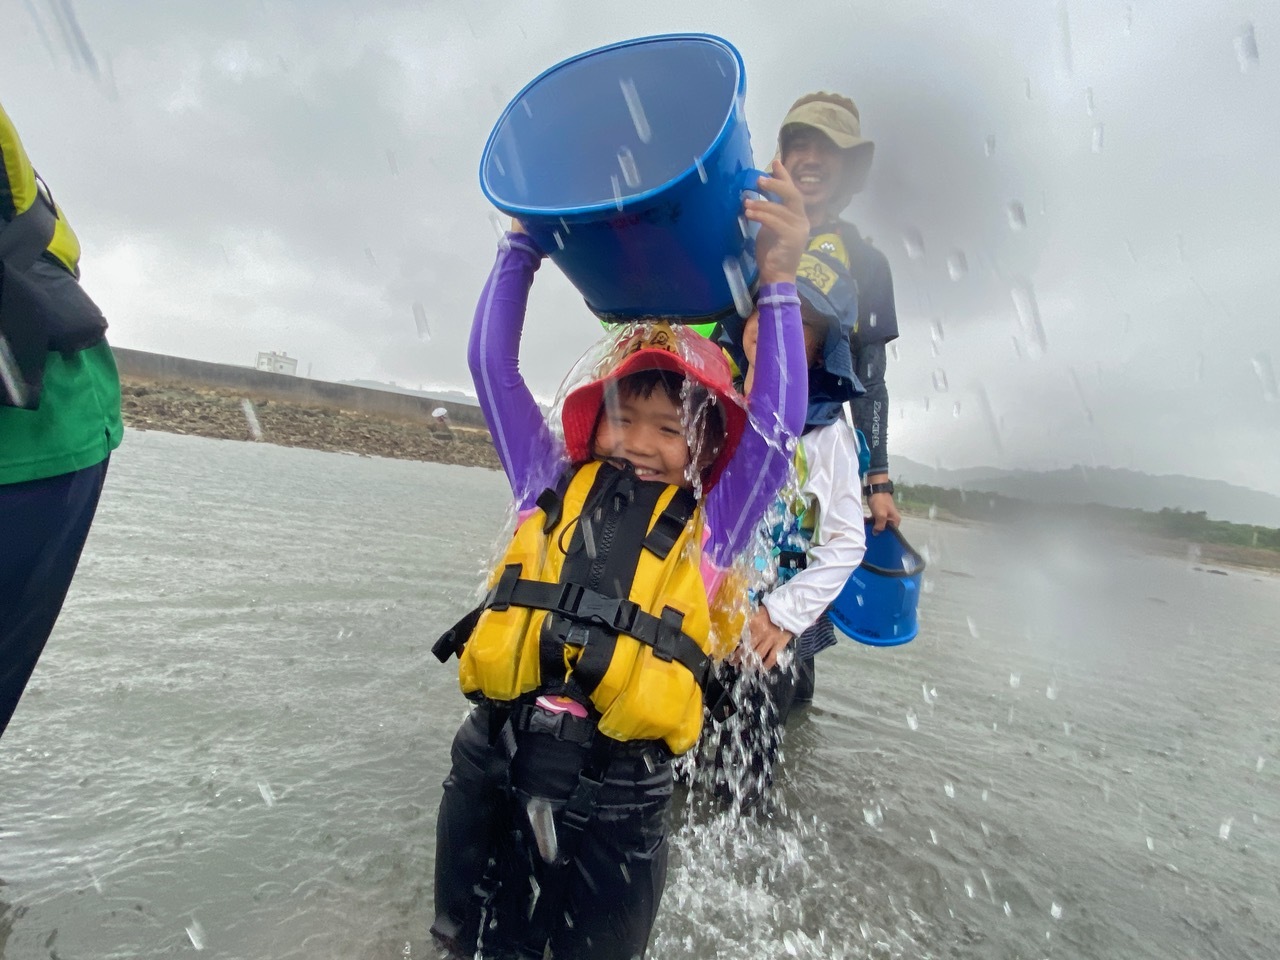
[(784, 228), (884, 512)]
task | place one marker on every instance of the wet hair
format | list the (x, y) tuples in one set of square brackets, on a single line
[(641, 385)]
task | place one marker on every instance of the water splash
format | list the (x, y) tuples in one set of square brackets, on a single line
[(420, 320), (638, 118), (195, 933), (543, 823), (1097, 138), (1266, 376), (251, 418), (627, 161), (1055, 911), (1017, 216), (738, 287), (949, 789), (957, 264), (1246, 48)]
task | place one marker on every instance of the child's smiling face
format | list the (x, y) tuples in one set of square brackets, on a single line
[(648, 432)]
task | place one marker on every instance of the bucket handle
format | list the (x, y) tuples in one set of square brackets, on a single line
[(750, 184)]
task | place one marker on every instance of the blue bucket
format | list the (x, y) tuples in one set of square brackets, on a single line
[(627, 165), (878, 603)]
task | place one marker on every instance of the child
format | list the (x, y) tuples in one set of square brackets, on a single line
[(818, 536), (589, 656)]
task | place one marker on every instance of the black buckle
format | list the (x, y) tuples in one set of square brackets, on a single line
[(586, 606), (667, 641)]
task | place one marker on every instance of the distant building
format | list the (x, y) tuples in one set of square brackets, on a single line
[(277, 363)]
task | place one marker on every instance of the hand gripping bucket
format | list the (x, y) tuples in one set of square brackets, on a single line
[(878, 603), (627, 165)]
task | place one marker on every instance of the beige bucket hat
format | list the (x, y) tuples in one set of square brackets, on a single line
[(837, 118)]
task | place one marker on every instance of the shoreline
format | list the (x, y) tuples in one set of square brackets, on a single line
[(219, 413)]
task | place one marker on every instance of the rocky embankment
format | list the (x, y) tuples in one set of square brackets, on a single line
[(206, 412)]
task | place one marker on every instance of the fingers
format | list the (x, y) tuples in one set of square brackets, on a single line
[(784, 187)]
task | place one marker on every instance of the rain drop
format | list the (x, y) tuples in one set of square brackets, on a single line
[(738, 287), (617, 190), (1066, 728), (989, 145), (955, 410), (1088, 100), (790, 943), (268, 797), (1246, 48), (195, 933), (940, 380), (1260, 764), (702, 171), (1024, 301), (251, 418), (640, 121), (1064, 39), (933, 511), (1055, 911), (912, 720), (933, 836), (973, 627), (949, 789), (1266, 376), (1097, 138), (15, 387), (935, 330), (1015, 680), (543, 822), (627, 161), (913, 243), (1007, 911), (1224, 831), (420, 321), (1017, 216), (1026, 87), (391, 163), (957, 264), (559, 239), (1151, 845)]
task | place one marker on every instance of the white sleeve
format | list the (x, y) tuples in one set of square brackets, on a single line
[(839, 541)]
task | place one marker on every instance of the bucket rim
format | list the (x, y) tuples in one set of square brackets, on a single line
[(590, 210), (915, 571)]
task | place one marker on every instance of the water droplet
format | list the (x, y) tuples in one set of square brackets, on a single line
[(968, 887), (268, 797), (738, 287), (924, 690), (985, 794), (1246, 48), (15, 387), (893, 349), (195, 933), (864, 930), (1026, 87), (955, 410), (1008, 912), (1224, 831), (420, 321), (1024, 301), (933, 511), (1055, 911), (1266, 376), (638, 119), (912, 720), (1064, 39), (790, 943), (1015, 680), (497, 162), (1128, 19), (949, 789), (543, 822), (1066, 728), (1151, 845), (251, 418), (559, 239), (1017, 216), (1097, 138), (874, 816), (940, 380), (973, 627), (989, 145), (1088, 100), (617, 190), (871, 320), (1051, 692), (913, 243), (1260, 764), (702, 171), (627, 161), (957, 264), (860, 599)]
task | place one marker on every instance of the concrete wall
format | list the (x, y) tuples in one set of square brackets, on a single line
[(276, 386)]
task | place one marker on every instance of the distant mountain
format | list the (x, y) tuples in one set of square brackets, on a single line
[(452, 396), (1106, 485)]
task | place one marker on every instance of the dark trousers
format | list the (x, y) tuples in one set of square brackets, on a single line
[(489, 868), (43, 526)]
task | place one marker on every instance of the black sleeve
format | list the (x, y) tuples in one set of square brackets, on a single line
[(871, 410)]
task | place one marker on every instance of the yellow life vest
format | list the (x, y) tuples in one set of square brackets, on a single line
[(600, 593)]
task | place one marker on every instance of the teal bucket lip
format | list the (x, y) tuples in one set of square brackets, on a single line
[(591, 210)]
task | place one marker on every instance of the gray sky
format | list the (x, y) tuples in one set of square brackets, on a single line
[(296, 175)]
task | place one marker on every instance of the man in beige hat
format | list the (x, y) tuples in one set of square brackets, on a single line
[(822, 147)]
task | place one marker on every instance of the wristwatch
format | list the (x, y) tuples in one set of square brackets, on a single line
[(886, 487)]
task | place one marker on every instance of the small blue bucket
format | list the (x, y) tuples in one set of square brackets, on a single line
[(627, 165), (878, 603)]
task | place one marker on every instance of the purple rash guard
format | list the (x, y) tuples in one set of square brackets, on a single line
[(533, 457)]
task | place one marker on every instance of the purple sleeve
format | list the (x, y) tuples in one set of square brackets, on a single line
[(530, 455), (778, 402)]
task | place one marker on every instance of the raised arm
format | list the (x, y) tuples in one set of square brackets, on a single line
[(529, 454)]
